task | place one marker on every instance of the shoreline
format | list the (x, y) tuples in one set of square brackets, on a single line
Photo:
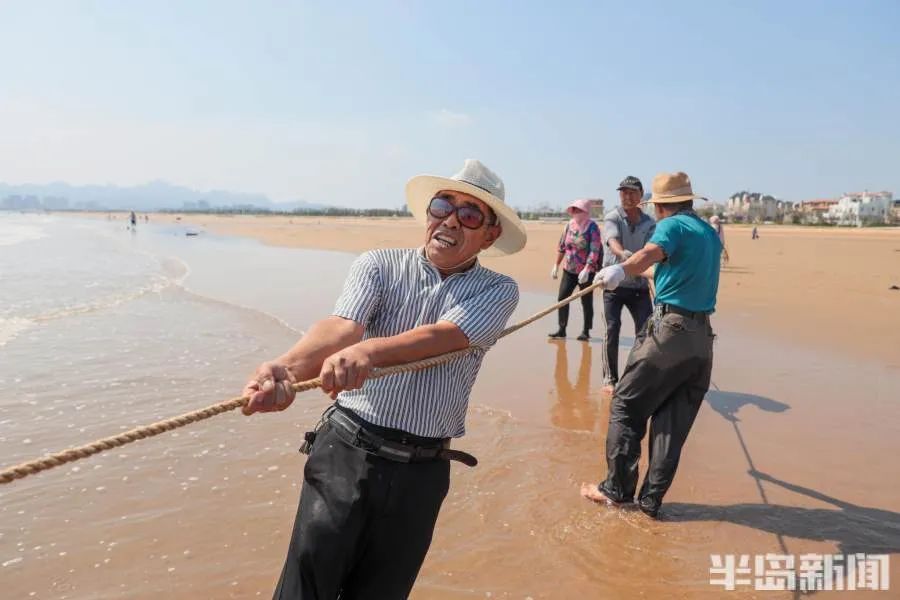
[(827, 288)]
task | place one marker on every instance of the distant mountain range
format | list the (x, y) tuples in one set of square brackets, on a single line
[(156, 195)]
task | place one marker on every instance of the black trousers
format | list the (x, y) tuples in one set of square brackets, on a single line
[(665, 380), (567, 283), (637, 300), (363, 526)]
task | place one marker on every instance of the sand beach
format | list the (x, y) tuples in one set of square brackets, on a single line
[(791, 453), (828, 287)]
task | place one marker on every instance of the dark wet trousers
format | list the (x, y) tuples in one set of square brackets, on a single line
[(567, 284), (363, 526), (665, 380), (638, 302)]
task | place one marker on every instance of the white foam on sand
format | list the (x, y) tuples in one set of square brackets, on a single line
[(10, 328)]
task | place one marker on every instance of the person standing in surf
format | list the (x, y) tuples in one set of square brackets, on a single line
[(378, 467), (668, 370)]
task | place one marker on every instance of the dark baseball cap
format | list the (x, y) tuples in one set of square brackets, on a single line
[(631, 183)]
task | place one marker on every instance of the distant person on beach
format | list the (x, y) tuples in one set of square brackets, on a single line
[(755, 234), (579, 253), (626, 229), (378, 467), (720, 231), (668, 371), (133, 220)]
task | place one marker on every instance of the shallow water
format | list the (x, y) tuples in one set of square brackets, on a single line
[(115, 329)]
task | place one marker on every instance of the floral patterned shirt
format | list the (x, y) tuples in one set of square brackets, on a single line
[(581, 249)]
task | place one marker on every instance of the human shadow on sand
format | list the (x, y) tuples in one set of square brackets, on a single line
[(852, 527), (728, 404)]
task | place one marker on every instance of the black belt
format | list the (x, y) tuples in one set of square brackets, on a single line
[(358, 436), (697, 316)]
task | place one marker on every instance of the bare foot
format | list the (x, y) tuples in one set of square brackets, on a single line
[(592, 492)]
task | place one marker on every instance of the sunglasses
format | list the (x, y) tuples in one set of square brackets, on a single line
[(469, 216)]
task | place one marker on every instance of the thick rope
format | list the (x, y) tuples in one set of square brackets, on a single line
[(72, 454)]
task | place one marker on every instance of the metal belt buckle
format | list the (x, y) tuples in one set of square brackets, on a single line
[(655, 318), (309, 438), (396, 454)]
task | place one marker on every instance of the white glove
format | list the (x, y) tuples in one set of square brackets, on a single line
[(554, 272), (628, 254), (584, 275), (610, 276)]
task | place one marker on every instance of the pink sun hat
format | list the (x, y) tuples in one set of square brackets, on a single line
[(583, 205)]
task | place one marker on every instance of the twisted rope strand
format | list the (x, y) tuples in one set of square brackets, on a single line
[(108, 443)]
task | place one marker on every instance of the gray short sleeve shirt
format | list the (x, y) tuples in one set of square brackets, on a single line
[(632, 237)]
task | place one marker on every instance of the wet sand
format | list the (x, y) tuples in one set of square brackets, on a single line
[(826, 287), (209, 510)]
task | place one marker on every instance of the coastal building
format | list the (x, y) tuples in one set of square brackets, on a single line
[(862, 208), (812, 212), (597, 209), (755, 207)]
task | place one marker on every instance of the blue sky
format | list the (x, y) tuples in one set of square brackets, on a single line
[(342, 102)]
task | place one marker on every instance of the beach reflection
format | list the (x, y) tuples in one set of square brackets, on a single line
[(574, 407)]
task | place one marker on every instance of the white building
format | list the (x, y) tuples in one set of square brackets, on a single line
[(861, 208), (755, 207)]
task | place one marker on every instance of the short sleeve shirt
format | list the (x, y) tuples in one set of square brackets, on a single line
[(632, 237), (689, 277), (394, 290)]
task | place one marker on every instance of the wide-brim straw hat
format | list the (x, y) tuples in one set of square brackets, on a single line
[(669, 188), (476, 180)]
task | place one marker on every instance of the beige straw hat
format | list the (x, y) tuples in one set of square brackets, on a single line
[(476, 180), (669, 188)]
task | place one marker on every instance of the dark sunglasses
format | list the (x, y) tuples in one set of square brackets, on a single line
[(469, 216)]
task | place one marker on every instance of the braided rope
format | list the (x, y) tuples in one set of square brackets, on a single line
[(72, 454)]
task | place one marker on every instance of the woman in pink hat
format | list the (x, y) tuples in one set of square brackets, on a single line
[(580, 254)]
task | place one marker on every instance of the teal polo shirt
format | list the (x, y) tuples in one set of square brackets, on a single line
[(689, 277)]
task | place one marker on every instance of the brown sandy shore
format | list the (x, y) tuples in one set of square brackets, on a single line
[(827, 287), (804, 391)]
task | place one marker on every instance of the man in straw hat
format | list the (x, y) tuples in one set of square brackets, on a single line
[(378, 466), (668, 370)]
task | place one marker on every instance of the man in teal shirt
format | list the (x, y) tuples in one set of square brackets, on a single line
[(668, 370), (689, 277)]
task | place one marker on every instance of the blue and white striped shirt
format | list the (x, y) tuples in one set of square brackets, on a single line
[(394, 290)]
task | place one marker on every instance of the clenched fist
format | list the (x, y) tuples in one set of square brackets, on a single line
[(270, 389)]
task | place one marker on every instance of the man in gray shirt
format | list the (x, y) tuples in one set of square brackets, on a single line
[(626, 229)]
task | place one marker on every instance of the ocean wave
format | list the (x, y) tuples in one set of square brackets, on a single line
[(10, 328), (105, 302)]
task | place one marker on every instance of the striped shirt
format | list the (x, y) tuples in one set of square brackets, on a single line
[(394, 290)]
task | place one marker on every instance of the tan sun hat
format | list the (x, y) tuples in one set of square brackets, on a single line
[(669, 188), (476, 180)]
